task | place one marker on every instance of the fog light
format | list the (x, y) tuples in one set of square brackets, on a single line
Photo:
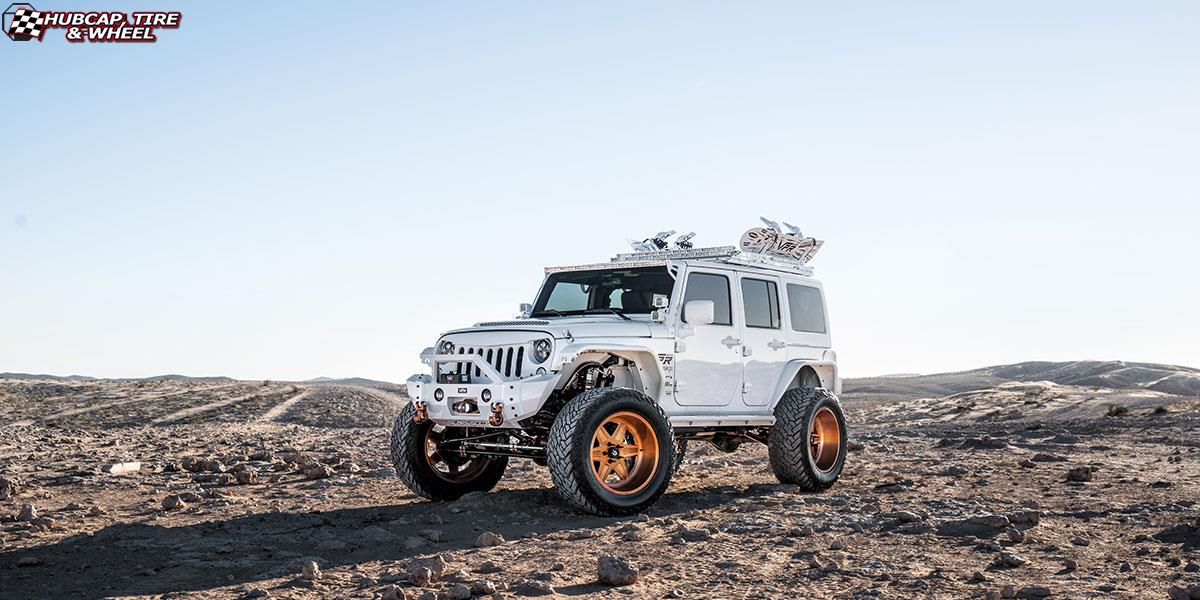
[(486, 394), (439, 395)]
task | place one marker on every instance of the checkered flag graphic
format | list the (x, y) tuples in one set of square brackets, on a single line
[(26, 24)]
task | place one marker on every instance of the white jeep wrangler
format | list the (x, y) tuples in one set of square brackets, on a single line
[(617, 365)]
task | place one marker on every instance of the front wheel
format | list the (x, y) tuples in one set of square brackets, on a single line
[(807, 445), (433, 474), (611, 452)]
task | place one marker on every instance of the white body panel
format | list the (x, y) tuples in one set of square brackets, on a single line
[(728, 373)]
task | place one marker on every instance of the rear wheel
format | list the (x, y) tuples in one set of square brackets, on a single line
[(433, 474), (807, 445), (611, 452)]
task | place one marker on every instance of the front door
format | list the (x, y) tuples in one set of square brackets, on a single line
[(708, 368), (764, 344)]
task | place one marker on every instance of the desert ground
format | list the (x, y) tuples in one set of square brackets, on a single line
[(1067, 480)]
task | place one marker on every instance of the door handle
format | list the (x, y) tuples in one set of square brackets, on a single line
[(776, 345), (747, 351), (731, 341)]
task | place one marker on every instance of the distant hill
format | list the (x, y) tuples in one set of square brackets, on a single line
[(1168, 379), (167, 377), (347, 381), (37, 377)]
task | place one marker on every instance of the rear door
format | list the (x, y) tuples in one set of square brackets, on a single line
[(807, 322), (708, 367), (764, 342)]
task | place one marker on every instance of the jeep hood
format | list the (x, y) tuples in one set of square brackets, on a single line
[(591, 326)]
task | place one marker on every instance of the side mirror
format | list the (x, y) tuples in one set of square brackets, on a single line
[(699, 312), (526, 310)]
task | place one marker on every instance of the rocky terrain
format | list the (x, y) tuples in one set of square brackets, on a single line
[(1062, 480)]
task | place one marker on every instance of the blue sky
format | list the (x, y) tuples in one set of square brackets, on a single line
[(258, 196)]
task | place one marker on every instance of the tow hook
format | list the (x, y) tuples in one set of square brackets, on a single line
[(420, 416), (497, 417)]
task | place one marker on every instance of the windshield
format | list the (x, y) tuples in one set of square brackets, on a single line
[(624, 291)]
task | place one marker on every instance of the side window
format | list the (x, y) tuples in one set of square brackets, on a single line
[(706, 286), (761, 301), (806, 308)]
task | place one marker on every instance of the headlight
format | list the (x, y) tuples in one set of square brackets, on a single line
[(541, 350), (446, 347)]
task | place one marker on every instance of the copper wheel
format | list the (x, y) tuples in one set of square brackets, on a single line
[(824, 439), (624, 453), (453, 469)]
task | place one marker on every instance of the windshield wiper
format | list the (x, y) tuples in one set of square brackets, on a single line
[(546, 311), (611, 310)]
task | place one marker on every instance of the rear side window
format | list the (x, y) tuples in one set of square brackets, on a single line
[(761, 300), (706, 286), (806, 308)]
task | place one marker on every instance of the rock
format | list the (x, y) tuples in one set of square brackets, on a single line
[(1080, 541), (488, 538), (458, 591), (992, 521), (581, 534), (489, 567), (980, 526), (616, 570), (428, 596), (28, 513), (420, 576), (483, 587), (436, 564), (1125, 567), (124, 468), (1026, 464), (318, 471), (433, 535), (1070, 564), (695, 535), (1079, 474), (1015, 535), (1033, 591), (173, 502), (246, 475), (28, 561), (978, 576), (1177, 593), (1191, 568), (1009, 559), (836, 545), (904, 516), (9, 488), (311, 571), (1047, 457), (257, 593), (394, 592), (1008, 591), (531, 587), (1025, 517), (801, 532)]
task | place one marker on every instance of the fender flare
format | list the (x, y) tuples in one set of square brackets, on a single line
[(644, 357), (826, 370)]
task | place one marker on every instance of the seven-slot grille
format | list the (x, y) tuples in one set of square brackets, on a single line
[(508, 360)]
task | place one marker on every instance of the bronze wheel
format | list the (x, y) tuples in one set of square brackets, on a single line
[(452, 469), (624, 453), (825, 439), (807, 443)]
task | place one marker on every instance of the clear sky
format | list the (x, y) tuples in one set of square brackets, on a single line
[(288, 190)]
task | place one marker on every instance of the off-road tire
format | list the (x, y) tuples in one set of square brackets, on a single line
[(408, 456), (570, 444), (788, 443)]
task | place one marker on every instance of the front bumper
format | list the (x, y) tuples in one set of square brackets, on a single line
[(463, 404)]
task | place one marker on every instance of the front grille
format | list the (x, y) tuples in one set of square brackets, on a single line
[(508, 360)]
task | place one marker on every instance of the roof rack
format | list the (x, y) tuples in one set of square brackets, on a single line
[(727, 254)]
